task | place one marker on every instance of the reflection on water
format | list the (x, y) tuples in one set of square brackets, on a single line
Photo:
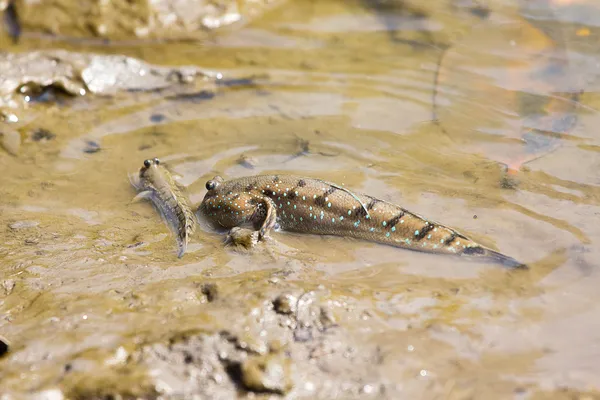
[(344, 102)]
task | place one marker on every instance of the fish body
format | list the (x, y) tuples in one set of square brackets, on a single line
[(307, 205), (155, 183)]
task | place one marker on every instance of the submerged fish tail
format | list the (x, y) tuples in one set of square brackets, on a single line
[(495, 257), (393, 225)]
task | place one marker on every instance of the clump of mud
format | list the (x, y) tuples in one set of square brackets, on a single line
[(125, 19), (285, 340)]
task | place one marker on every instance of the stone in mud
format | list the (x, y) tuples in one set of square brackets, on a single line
[(48, 394), (211, 291), (23, 225), (242, 237), (8, 285), (126, 19), (91, 147), (285, 304), (10, 139), (43, 76), (269, 373), (4, 346), (42, 135), (247, 161)]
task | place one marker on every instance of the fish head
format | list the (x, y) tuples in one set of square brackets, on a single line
[(150, 166)]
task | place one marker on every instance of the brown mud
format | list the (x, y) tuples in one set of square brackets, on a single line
[(95, 304)]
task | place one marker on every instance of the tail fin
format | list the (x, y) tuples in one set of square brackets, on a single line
[(506, 261), (493, 257)]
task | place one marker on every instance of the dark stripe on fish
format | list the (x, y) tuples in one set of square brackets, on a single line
[(392, 222), (424, 231), (449, 239)]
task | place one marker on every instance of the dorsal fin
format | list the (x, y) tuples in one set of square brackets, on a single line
[(355, 197)]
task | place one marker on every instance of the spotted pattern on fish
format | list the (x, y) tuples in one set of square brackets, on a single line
[(314, 206), (397, 218), (424, 231)]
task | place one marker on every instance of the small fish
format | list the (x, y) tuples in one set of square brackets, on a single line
[(314, 206), (155, 183)]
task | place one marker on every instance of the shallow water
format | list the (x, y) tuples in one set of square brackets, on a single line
[(345, 92)]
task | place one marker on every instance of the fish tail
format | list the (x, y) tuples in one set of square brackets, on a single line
[(497, 258)]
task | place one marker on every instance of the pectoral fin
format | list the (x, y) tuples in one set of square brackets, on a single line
[(146, 194)]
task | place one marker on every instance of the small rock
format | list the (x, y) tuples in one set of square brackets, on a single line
[(285, 304), (48, 394), (270, 373), (251, 343), (119, 357), (211, 291), (303, 334), (326, 318), (157, 118), (242, 237), (8, 286), (10, 140), (42, 134), (4, 345), (91, 147), (247, 162), (23, 224)]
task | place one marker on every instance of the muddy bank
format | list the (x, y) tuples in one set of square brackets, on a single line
[(94, 302), (284, 340), (48, 79), (40, 76), (140, 19)]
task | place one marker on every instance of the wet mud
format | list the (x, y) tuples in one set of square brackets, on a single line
[(130, 20), (95, 303)]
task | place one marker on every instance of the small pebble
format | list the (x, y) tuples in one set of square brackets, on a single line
[(327, 318), (48, 394), (270, 373), (285, 304), (4, 346), (42, 134), (243, 237), (23, 224), (8, 286), (91, 147), (211, 291), (156, 118), (303, 335), (247, 162), (10, 140)]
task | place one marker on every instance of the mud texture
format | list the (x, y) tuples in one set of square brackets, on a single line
[(139, 19), (95, 304), (56, 77), (37, 76)]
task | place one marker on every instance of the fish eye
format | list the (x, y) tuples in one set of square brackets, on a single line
[(156, 161), (211, 185), (147, 163)]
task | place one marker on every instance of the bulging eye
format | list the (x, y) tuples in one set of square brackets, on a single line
[(211, 185), (156, 161), (147, 163)]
